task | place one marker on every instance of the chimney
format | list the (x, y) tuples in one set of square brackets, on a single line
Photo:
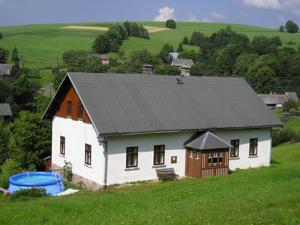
[(147, 69)]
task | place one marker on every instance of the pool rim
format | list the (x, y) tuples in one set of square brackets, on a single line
[(48, 183)]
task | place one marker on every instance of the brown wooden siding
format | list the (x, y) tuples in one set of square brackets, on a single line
[(72, 96), (198, 166)]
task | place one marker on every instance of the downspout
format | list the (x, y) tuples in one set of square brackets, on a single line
[(104, 143)]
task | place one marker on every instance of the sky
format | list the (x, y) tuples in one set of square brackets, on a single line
[(266, 13)]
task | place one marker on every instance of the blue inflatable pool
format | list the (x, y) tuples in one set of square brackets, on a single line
[(51, 182)]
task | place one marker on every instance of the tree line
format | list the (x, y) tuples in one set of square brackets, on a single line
[(26, 139), (113, 38), (263, 61)]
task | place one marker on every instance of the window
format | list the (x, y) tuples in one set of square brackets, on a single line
[(253, 146), (131, 157), (234, 151), (62, 145), (79, 111), (215, 159), (69, 108), (159, 155), (88, 154)]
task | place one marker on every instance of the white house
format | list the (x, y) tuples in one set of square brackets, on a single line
[(117, 128), (184, 65)]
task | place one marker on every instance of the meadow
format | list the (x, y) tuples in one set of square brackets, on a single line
[(41, 46), (254, 196)]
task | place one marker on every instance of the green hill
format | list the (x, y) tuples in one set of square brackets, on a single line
[(41, 46)]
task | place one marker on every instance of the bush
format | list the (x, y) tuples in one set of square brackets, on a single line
[(185, 40), (4, 180), (29, 193), (283, 135), (9, 168), (68, 170), (296, 138), (171, 24), (166, 70), (289, 105)]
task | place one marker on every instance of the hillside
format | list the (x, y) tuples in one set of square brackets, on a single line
[(41, 46), (255, 196)]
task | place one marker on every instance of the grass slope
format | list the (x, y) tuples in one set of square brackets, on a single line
[(42, 45), (255, 196)]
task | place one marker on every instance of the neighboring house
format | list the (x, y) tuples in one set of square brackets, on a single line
[(104, 59), (6, 71), (184, 65), (118, 128), (275, 100), (5, 111)]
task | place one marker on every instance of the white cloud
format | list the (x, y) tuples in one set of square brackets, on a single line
[(217, 16), (206, 20), (193, 18), (292, 6), (265, 4), (165, 14)]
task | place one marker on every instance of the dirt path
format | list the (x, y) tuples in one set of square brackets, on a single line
[(149, 28)]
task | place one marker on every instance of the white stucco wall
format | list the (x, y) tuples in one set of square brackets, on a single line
[(77, 134), (263, 151), (117, 172)]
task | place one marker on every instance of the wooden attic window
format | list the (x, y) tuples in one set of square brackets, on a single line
[(69, 108), (79, 111)]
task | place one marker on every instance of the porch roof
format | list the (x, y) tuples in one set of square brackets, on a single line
[(208, 141)]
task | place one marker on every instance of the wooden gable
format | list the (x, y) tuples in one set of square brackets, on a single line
[(72, 97)]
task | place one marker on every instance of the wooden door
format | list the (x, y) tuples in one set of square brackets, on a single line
[(193, 163)]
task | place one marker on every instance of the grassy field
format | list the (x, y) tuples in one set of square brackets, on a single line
[(255, 196), (41, 46)]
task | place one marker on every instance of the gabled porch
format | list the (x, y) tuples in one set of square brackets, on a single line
[(207, 155)]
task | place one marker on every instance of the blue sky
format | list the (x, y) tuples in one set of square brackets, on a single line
[(268, 13)]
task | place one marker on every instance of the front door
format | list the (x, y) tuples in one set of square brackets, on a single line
[(193, 163)]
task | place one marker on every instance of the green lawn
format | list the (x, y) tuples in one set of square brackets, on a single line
[(293, 123), (42, 45), (255, 196)]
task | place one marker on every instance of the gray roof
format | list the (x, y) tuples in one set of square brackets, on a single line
[(5, 109), (292, 96), (127, 104), (183, 62), (5, 69), (208, 141)]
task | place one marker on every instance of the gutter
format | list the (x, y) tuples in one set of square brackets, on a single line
[(104, 143)]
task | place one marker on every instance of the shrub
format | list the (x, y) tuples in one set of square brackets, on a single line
[(171, 24), (185, 40), (4, 180), (9, 168), (283, 135), (290, 104), (296, 138), (29, 193), (68, 171), (166, 70)]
